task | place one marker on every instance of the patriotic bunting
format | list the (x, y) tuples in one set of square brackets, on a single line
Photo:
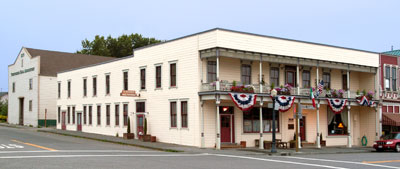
[(336, 105), (244, 101), (365, 102), (285, 102)]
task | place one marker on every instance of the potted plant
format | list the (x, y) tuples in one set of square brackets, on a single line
[(145, 137), (293, 142), (128, 134)]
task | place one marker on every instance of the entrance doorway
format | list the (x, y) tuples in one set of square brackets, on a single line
[(303, 128), (227, 129), (140, 125), (21, 111), (63, 126), (79, 122)]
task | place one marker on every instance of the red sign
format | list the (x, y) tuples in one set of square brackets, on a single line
[(129, 93)]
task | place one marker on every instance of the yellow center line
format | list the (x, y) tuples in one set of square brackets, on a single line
[(34, 145), (375, 162)]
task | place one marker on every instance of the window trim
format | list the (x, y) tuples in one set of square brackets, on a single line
[(98, 114), (176, 74), (84, 81), (187, 113), (108, 114), (309, 78), (30, 105), (156, 76), (69, 86), (94, 86), (270, 76), (210, 73), (176, 114), (117, 115), (123, 114), (59, 89), (142, 80), (31, 84), (107, 80), (242, 76), (125, 86), (330, 78)]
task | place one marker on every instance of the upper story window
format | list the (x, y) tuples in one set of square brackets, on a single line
[(59, 89), (143, 79), (84, 87), (394, 78), (211, 71), (172, 68), (22, 62), (274, 76), (158, 76), (30, 84), (94, 86), (126, 80), (306, 79), (326, 77), (69, 89), (107, 84), (13, 87), (246, 74), (344, 82)]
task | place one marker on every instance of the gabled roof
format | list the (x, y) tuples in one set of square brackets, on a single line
[(52, 62), (393, 52)]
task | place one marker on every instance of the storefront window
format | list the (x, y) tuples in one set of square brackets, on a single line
[(251, 120), (337, 123)]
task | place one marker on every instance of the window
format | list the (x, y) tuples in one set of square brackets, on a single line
[(246, 74), (94, 86), (69, 89), (172, 69), (344, 82), (184, 114), (59, 114), (126, 80), (73, 115), (30, 105), (13, 87), (107, 84), (84, 87), (59, 89), (30, 84), (394, 82), (306, 79), (22, 62), (158, 77), (142, 79), (274, 76), (84, 115), (326, 77), (117, 115), (125, 109), (251, 121), (98, 115), (90, 115), (337, 123), (108, 114), (140, 107), (173, 114), (69, 115), (211, 71)]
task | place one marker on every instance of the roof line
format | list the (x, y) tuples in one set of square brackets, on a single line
[(248, 33), (96, 64)]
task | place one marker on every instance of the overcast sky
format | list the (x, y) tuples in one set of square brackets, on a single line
[(372, 25)]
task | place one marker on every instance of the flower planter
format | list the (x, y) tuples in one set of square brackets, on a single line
[(153, 138), (243, 144), (146, 138), (129, 136)]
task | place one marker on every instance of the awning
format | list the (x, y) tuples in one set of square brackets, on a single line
[(391, 119)]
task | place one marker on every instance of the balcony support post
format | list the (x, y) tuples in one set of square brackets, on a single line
[(261, 142), (349, 144), (217, 87), (298, 77), (218, 123), (318, 130), (202, 124)]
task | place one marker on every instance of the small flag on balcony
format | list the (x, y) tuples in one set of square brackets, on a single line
[(336, 105), (320, 87), (365, 102), (244, 101), (312, 98), (285, 102)]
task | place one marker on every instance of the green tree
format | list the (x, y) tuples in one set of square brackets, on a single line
[(115, 47)]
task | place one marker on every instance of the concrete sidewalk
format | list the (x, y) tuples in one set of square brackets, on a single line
[(189, 149)]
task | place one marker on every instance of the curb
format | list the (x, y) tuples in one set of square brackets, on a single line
[(115, 142)]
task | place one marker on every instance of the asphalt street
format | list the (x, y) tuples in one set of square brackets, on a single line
[(26, 148)]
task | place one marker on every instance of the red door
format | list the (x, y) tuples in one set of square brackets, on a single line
[(227, 134), (79, 122), (303, 128), (140, 124), (63, 126)]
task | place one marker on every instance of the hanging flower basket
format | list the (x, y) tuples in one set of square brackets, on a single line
[(242, 89)]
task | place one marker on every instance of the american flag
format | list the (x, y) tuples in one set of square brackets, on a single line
[(320, 87)]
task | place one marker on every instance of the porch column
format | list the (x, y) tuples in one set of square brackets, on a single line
[(218, 127), (318, 105), (380, 121), (377, 136), (298, 77), (261, 142), (217, 86), (202, 124), (349, 143)]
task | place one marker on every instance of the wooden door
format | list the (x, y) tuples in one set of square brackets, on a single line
[(291, 76), (140, 125), (63, 126), (227, 133), (303, 128), (21, 111), (79, 122)]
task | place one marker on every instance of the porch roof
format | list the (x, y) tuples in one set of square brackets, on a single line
[(391, 119)]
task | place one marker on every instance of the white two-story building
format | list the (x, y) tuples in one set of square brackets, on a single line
[(182, 88)]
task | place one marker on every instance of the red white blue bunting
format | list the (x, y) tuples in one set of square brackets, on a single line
[(337, 105), (285, 102), (365, 102), (245, 101)]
